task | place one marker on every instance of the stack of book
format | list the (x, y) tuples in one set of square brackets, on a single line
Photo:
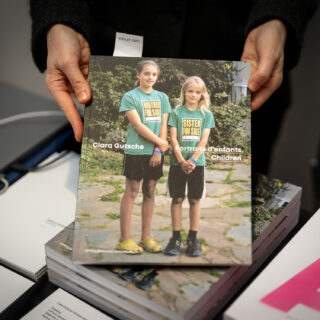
[(182, 292)]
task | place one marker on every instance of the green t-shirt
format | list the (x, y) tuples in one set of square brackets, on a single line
[(150, 107), (190, 125)]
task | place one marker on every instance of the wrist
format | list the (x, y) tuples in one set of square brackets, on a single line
[(192, 159), (157, 152)]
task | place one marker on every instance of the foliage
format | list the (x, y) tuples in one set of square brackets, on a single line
[(110, 79), (263, 191), (99, 160)]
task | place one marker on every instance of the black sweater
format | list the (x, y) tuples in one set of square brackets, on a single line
[(174, 28)]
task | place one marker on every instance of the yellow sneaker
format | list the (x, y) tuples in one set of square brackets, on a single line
[(150, 245), (130, 246)]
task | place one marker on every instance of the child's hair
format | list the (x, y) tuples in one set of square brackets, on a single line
[(204, 102), (141, 65)]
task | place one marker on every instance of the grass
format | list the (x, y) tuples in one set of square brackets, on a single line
[(114, 195), (113, 215), (110, 198), (222, 169), (212, 273), (203, 242), (96, 226), (237, 204), (229, 239), (162, 180), (157, 283), (167, 228)]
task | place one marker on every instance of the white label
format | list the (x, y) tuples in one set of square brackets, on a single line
[(128, 45)]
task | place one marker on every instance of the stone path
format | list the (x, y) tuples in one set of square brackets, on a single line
[(224, 228)]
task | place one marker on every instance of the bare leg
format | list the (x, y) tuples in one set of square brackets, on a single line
[(148, 187), (132, 189), (194, 213), (176, 212)]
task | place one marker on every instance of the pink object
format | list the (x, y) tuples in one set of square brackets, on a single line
[(303, 288)]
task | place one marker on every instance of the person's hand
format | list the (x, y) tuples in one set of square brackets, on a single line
[(187, 166), (264, 48), (155, 160), (67, 71), (163, 145)]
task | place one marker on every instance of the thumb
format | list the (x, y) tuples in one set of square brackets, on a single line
[(263, 72), (78, 82)]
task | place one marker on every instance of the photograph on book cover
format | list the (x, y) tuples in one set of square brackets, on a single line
[(165, 170)]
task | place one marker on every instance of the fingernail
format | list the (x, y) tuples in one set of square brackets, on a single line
[(82, 96)]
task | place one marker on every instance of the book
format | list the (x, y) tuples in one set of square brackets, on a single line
[(141, 292), (115, 163), (35, 209)]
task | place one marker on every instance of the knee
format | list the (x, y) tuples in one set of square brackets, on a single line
[(177, 201), (193, 202), (148, 193), (132, 192)]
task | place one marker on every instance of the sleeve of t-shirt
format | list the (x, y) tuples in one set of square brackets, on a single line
[(209, 120), (166, 104), (173, 120), (127, 103)]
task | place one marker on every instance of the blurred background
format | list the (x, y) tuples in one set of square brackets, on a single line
[(296, 151)]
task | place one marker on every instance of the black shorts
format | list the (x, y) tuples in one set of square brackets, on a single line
[(137, 167), (178, 181)]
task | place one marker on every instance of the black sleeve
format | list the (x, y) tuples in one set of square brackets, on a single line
[(46, 13), (293, 13)]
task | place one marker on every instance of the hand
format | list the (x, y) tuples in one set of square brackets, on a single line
[(67, 71), (163, 145), (264, 48), (187, 166), (155, 160)]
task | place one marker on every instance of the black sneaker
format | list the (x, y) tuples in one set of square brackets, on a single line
[(147, 281), (193, 248), (173, 247), (130, 276)]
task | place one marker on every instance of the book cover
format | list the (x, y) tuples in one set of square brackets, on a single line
[(165, 171)]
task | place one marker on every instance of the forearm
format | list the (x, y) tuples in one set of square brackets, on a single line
[(201, 147), (147, 133), (176, 150)]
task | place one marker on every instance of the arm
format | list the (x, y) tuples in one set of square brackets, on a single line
[(186, 166), (156, 157), (202, 144), (144, 131), (60, 33)]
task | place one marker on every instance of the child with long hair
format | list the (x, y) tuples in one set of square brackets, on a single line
[(190, 124), (148, 113)]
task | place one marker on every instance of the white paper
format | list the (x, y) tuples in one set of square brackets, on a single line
[(299, 253), (35, 209), (128, 45), (13, 286), (61, 305)]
